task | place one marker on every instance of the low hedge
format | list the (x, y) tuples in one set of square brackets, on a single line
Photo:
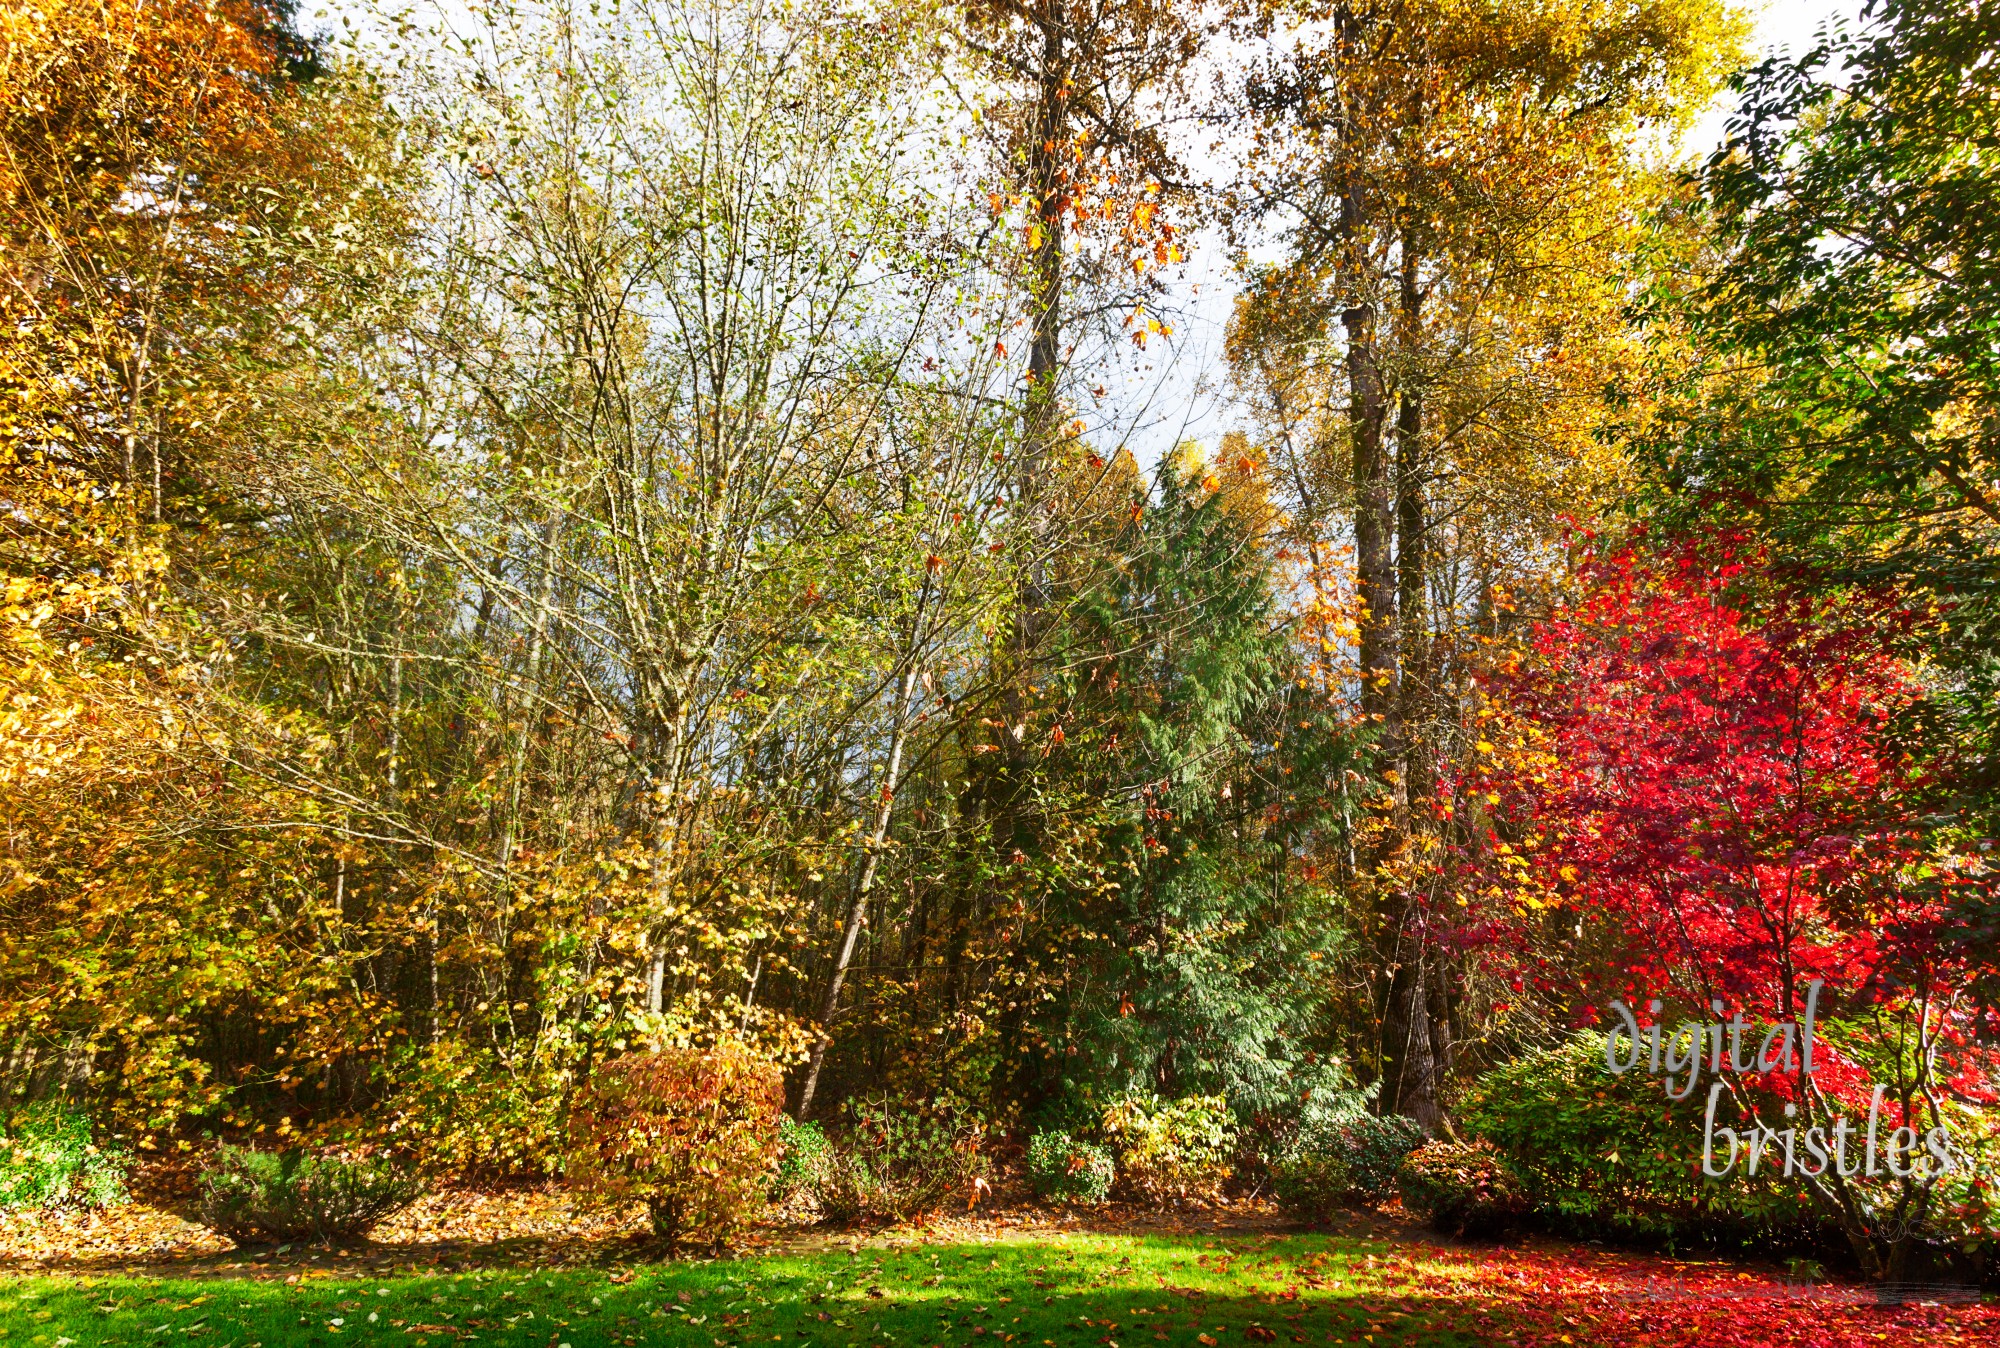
[(1462, 1188), (1065, 1169), (1172, 1151), (1334, 1163), (251, 1196), (1603, 1154)]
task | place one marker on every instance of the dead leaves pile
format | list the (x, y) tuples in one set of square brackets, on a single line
[(525, 1226)]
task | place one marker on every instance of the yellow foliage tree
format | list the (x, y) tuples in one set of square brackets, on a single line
[(1460, 183)]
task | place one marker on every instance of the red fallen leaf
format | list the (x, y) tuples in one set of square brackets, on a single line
[(1205, 1340), (1259, 1334)]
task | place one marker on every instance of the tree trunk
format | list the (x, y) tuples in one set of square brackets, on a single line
[(1374, 521), (1047, 189), (1046, 185), (663, 783), (1409, 1077), (857, 913)]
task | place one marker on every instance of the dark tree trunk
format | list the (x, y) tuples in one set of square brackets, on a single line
[(1374, 519)]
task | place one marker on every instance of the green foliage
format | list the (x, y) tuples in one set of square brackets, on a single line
[(253, 1196), (1860, 420), (48, 1160), (1185, 723), (1966, 1210), (1463, 1188), (1172, 1151), (1063, 1169), (1336, 1161), (693, 1135), (1597, 1151), (896, 1161), (803, 1151), (1374, 1147), (1312, 1181)]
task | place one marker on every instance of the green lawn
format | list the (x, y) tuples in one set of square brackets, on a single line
[(1079, 1291)]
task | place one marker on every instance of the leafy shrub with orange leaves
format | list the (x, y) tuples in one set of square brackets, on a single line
[(1463, 1188), (693, 1135)]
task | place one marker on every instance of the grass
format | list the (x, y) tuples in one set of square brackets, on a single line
[(1070, 1292)]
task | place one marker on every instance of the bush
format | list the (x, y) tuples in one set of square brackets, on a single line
[(897, 1162), (47, 1160), (1172, 1152), (1063, 1170), (1610, 1154), (803, 1152), (692, 1135), (263, 1195), (1312, 1180), (1464, 1188), (1334, 1162)]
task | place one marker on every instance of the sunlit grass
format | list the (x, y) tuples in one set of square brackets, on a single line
[(1067, 1291)]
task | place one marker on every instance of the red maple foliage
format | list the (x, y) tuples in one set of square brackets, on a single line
[(1730, 794), (1722, 810)]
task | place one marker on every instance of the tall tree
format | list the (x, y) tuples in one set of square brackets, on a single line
[(174, 195), (1074, 97), (1848, 376), (1205, 758), (1836, 378), (1455, 184), (1080, 129)]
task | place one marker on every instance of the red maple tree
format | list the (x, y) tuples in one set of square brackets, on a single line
[(1722, 810)]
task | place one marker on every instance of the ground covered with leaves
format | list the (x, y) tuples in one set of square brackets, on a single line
[(1018, 1282)]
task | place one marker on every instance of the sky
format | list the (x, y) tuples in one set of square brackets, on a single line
[(1177, 390), (1180, 396)]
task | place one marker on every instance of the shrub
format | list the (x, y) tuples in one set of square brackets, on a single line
[(47, 1160), (803, 1152), (1171, 1152), (896, 1162), (1464, 1188), (1598, 1152), (1312, 1180), (692, 1135), (1324, 1098), (1333, 1162), (263, 1195), (1063, 1170)]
